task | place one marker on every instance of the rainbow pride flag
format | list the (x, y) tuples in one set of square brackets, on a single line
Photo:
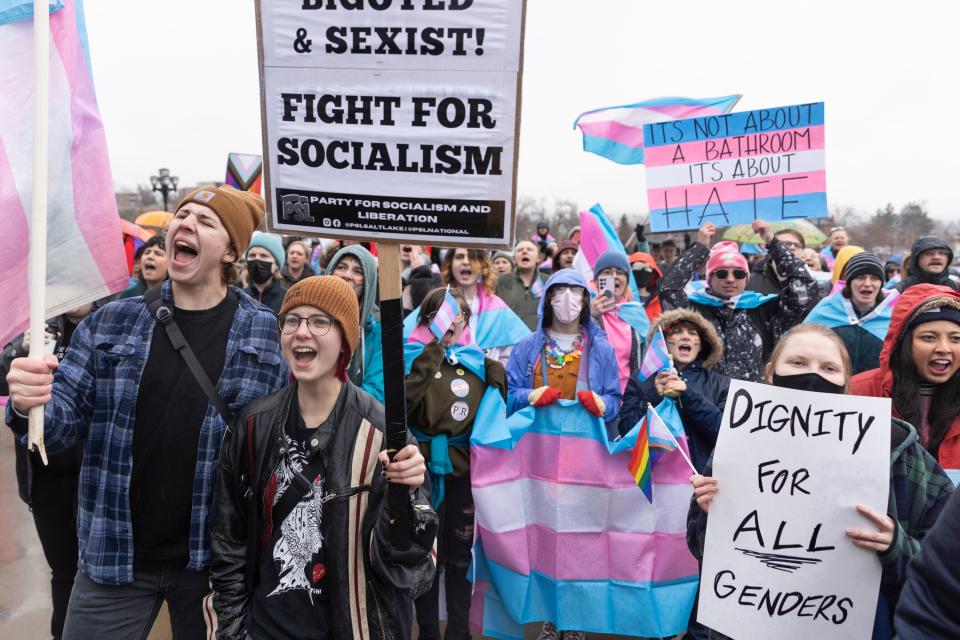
[(563, 535), (616, 133), (85, 258), (656, 358), (641, 466)]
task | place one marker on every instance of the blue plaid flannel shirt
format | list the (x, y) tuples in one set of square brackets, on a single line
[(95, 397)]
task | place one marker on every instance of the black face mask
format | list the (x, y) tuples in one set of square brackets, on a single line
[(260, 270), (807, 382), (642, 276)]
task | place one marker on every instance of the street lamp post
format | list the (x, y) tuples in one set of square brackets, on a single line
[(164, 183)]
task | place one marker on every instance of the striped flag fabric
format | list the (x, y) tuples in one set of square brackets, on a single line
[(616, 133), (563, 535), (445, 315), (656, 358), (641, 464), (597, 236), (85, 259), (537, 287)]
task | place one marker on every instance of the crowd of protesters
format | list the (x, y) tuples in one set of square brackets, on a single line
[(244, 483)]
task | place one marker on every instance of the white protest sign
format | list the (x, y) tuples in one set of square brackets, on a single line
[(392, 119), (791, 467)]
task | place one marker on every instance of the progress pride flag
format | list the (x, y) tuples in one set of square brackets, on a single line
[(85, 259)]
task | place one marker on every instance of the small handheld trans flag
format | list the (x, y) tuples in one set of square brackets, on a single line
[(657, 358), (641, 466), (445, 316)]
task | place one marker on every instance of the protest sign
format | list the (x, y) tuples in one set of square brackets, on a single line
[(392, 119), (736, 168), (791, 467)]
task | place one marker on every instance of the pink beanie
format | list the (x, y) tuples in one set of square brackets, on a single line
[(727, 255)]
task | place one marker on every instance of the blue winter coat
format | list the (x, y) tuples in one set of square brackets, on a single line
[(601, 366), (701, 407)]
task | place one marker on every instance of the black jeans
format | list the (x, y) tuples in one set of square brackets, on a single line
[(454, 541), (128, 611), (53, 503)]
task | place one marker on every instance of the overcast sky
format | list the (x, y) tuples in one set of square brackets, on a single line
[(177, 84)]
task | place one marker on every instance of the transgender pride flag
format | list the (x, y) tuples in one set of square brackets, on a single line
[(596, 238), (564, 535), (445, 315), (657, 357), (616, 133), (85, 259)]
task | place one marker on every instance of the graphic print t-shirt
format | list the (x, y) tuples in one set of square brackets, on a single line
[(290, 600)]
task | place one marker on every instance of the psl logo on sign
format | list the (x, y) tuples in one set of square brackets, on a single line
[(791, 466), (296, 208)]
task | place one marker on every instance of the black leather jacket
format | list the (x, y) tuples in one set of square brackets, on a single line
[(364, 573)]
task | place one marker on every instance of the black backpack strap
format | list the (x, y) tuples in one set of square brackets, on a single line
[(300, 485), (164, 316)]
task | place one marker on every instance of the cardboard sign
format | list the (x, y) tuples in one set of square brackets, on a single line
[(392, 119), (791, 467), (736, 168)]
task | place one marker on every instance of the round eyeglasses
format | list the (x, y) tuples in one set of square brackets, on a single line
[(318, 325)]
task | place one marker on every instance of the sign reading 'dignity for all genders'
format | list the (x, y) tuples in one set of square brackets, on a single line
[(736, 168), (392, 119), (791, 468)]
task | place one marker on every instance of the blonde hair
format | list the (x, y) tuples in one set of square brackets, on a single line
[(479, 259), (818, 330)]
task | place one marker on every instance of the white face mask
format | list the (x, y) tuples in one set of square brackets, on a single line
[(567, 306)]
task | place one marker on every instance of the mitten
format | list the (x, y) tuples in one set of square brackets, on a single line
[(592, 402), (543, 396)]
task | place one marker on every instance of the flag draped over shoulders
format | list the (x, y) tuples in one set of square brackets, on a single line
[(85, 259), (564, 534)]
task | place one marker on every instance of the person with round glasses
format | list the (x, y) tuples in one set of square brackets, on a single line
[(748, 322), (300, 530)]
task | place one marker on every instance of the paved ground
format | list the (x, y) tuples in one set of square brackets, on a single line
[(24, 575)]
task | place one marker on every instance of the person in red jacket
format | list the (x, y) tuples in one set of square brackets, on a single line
[(919, 366)]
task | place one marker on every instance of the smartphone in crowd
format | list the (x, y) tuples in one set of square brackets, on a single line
[(606, 284)]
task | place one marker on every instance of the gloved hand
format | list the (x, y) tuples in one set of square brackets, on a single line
[(543, 396), (639, 231), (592, 403)]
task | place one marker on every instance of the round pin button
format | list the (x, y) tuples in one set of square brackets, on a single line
[(460, 387)]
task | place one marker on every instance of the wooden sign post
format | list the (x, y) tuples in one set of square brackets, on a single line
[(394, 389)]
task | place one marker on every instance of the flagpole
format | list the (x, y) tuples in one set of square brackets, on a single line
[(37, 265)]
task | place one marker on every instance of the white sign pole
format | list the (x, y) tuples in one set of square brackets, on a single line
[(37, 267)]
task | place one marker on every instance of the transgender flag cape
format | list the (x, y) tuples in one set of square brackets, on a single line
[(85, 259), (496, 323), (565, 535)]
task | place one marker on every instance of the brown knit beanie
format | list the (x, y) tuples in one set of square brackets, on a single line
[(241, 212), (334, 297)]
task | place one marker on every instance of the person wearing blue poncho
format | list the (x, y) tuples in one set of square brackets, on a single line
[(358, 268), (860, 313), (447, 384)]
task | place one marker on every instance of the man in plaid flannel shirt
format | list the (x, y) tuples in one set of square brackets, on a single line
[(152, 436)]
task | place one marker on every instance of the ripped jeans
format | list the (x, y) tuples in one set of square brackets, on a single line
[(454, 540)]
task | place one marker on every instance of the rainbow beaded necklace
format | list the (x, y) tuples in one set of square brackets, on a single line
[(556, 356)]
